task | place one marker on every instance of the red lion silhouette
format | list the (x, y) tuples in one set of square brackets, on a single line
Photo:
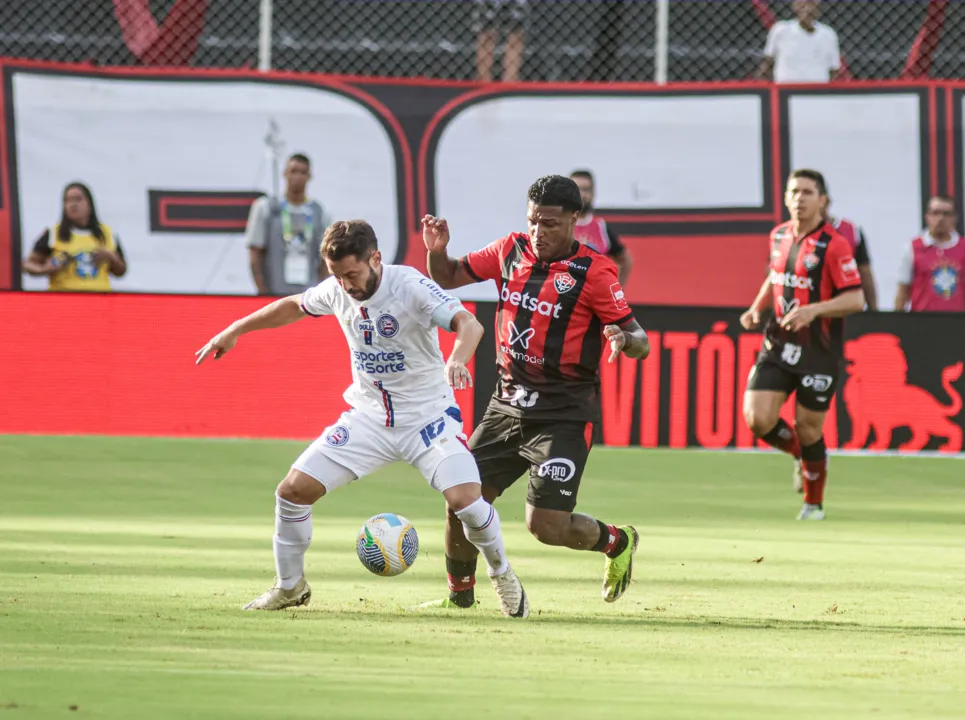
[(879, 397)]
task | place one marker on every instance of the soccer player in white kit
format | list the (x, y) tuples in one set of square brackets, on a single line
[(402, 405)]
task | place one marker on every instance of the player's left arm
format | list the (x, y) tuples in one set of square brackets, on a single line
[(842, 272), (433, 307), (610, 305)]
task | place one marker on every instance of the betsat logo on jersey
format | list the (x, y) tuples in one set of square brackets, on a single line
[(530, 303), (785, 279)]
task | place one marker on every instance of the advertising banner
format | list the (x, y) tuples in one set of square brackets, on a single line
[(691, 176)]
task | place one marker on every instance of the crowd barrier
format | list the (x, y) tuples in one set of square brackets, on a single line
[(124, 365)]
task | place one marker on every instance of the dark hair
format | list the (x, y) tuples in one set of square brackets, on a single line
[(556, 191), (302, 158), (93, 223), (813, 175), (349, 237), (585, 174)]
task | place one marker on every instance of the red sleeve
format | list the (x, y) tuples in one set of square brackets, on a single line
[(842, 266), (607, 298), (487, 264)]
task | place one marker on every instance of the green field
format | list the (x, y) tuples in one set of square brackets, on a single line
[(124, 562)]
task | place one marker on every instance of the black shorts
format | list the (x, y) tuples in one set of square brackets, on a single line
[(509, 15), (553, 452), (815, 390)]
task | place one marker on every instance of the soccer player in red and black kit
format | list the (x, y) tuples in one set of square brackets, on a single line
[(559, 302), (813, 283)]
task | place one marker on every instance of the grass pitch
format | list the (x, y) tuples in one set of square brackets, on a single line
[(124, 564)]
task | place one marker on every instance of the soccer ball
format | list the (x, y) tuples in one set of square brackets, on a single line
[(387, 544)]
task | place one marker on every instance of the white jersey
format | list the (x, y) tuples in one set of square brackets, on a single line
[(398, 371)]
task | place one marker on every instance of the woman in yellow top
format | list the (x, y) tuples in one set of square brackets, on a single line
[(80, 252)]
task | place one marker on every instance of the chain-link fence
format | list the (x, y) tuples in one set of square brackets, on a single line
[(532, 40)]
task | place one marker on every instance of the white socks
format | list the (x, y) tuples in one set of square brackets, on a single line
[(293, 535), (480, 522)]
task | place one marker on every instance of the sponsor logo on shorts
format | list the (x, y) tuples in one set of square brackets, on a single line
[(387, 326), (557, 469), (337, 436), (820, 383)]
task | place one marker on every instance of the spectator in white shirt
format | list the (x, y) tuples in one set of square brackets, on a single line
[(801, 50)]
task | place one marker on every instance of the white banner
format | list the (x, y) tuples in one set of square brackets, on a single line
[(661, 152), (123, 137), (869, 148)]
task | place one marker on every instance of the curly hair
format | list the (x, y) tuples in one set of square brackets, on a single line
[(556, 191)]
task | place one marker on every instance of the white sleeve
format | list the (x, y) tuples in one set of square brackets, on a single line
[(770, 47), (906, 266), (316, 301), (428, 303), (834, 51), (256, 231)]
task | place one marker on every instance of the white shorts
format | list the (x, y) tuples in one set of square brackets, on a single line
[(362, 445)]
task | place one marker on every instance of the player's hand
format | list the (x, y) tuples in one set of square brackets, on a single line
[(217, 346), (435, 233), (617, 339), (102, 256), (799, 318), (751, 319), (457, 375)]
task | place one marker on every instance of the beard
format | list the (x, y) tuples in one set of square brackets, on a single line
[(371, 285)]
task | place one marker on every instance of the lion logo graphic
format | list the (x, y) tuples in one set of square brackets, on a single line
[(879, 398)]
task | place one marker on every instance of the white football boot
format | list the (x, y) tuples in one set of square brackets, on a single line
[(512, 597), (278, 599), (811, 512)]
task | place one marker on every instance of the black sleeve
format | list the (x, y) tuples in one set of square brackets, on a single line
[(42, 246), (861, 255), (616, 247), (118, 248)]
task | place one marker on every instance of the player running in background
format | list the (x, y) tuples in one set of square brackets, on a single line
[(560, 301), (402, 405), (813, 283)]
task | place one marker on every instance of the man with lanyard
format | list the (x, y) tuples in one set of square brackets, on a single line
[(284, 236)]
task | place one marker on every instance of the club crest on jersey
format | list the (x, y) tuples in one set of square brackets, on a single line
[(811, 261), (564, 282), (337, 436), (387, 326)]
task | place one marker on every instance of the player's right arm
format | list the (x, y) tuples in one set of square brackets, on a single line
[(277, 314), (449, 273), (752, 318)]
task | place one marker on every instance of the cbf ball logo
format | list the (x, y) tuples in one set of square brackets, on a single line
[(387, 326), (337, 436), (84, 265), (944, 280)]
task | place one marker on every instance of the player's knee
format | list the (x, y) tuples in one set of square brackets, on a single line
[(460, 497), (760, 423), (548, 531), (809, 433), (299, 488)]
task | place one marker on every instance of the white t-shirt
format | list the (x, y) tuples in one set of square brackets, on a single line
[(801, 56), (397, 365)]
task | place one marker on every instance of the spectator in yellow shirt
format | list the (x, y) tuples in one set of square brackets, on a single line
[(80, 252)]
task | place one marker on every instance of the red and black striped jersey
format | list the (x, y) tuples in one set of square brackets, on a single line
[(549, 326), (810, 269)]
